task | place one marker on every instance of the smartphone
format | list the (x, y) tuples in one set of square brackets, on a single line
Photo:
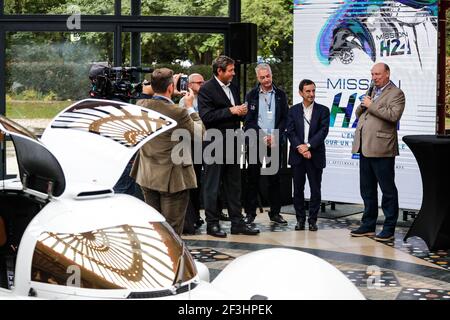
[(182, 84)]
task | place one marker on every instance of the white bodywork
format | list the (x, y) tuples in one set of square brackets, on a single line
[(126, 230)]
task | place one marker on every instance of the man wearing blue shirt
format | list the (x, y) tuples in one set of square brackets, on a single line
[(267, 113)]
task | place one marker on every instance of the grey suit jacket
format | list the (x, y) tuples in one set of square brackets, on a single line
[(376, 132), (153, 167)]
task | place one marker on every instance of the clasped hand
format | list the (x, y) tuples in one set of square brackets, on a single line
[(240, 110), (270, 141), (304, 151)]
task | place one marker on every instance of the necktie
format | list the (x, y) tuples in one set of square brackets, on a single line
[(377, 93)]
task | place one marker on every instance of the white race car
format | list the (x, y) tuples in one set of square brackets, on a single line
[(65, 234)]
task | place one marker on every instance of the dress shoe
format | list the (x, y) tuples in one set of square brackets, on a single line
[(362, 232), (223, 216), (249, 219), (244, 229), (198, 223), (300, 226), (215, 231), (384, 236), (278, 219), (313, 226)]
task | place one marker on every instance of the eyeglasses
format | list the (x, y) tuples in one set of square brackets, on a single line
[(198, 82)]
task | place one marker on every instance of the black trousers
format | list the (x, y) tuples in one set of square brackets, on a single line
[(373, 171), (193, 208), (253, 177), (314, 174), (230, 176)]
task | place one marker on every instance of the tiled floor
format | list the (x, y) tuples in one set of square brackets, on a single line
[(396, 270)]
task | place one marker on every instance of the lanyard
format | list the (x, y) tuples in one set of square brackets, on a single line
[(269, 105), (308, 121)]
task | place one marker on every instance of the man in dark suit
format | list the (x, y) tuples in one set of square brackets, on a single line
[(307, 127), (267, 114), (377, 143), (220, 108)]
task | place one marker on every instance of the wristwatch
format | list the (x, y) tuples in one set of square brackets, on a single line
[(308, 145)]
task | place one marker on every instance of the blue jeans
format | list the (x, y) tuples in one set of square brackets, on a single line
[(373, 171)]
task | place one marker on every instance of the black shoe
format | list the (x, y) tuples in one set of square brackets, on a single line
[(198, 223), (215, 231), (362, 232), (188, 232), (313, 226), (244, 229), (224, 217), (300, 226), (249, 219), (278, 219)]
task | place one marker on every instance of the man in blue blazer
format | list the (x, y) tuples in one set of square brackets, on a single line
[(307, 127), (267, 112)]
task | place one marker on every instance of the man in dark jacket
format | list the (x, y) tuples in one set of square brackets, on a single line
[(307, 127), (266, 117), (220, 109)]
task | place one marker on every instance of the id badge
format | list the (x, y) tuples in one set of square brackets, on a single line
[(269, 115)]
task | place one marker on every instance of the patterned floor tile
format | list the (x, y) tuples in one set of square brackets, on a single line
[(417, 247), (209, 255), (393, 284), (372, 279), (423, 294), (413, 246)]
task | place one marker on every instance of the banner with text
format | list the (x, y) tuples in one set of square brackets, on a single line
[(335, 44)]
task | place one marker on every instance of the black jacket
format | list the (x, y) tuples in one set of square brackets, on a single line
[(318, 131), (281, 111), (213, 106)]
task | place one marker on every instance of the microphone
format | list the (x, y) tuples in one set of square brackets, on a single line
[(371, 87), (368, 93)]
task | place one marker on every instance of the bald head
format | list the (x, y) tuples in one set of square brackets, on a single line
[(380, 74)]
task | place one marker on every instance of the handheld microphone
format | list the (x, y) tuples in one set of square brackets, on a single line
[(368, 93), (371, 87)]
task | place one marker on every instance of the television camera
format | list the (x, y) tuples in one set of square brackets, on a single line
[(116, 83)]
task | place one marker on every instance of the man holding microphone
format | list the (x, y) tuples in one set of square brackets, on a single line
[(376, 142)]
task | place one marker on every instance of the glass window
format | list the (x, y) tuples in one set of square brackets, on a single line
[(147, 256), (62, 7), (182, 52), (211, 8), (46, 72)]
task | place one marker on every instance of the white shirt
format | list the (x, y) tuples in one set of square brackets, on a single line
[(266, 110), (307, 114), (194, 103), (227, 90)]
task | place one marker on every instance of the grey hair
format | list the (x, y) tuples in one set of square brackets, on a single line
[(191, 76), (263, 66)]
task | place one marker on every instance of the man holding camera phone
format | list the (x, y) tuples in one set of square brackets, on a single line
[(166, 185)]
